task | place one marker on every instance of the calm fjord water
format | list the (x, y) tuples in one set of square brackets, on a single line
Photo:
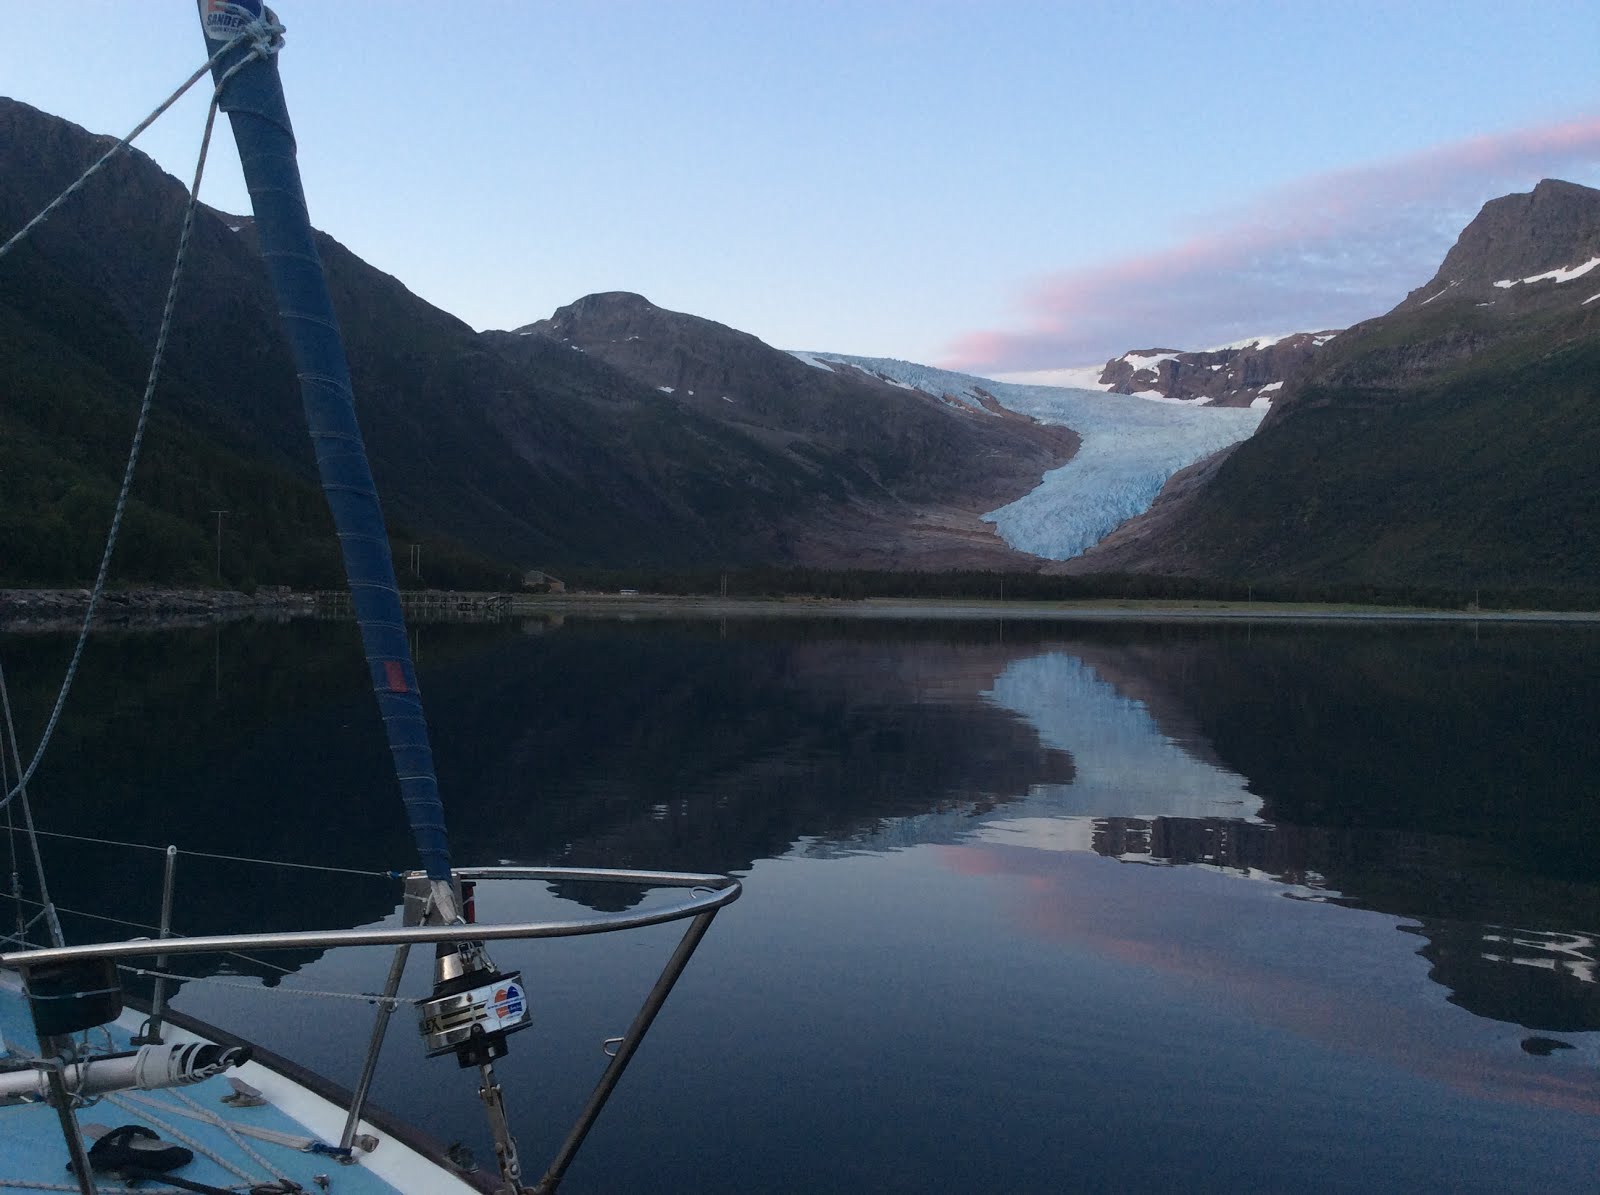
[(1029, 907)]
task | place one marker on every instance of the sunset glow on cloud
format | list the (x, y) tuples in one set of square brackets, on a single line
[(1323, 253)]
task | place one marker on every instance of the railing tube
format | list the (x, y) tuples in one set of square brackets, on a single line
[(54, 1049), (712, 892), (158, 1002), (625, 1051), (380, 1027)]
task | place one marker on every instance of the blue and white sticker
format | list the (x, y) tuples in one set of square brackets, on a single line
[(224, 20), (508, 1006)]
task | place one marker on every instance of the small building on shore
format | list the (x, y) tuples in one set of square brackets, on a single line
[(542, 582)]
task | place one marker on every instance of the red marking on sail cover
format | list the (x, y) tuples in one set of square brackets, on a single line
[(396, 676)]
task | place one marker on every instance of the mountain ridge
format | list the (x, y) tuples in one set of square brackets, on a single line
[(1448, 441), (1453, 441), (512, 446)]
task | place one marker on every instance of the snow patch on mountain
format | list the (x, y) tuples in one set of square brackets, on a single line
[(1128, 449), (1080, 377), (1564, 275), (812, 360), (959, 388), (1253, 342)]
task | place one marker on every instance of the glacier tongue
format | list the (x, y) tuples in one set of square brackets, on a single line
[(1129, 448)]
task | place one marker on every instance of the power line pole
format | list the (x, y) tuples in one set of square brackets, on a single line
[(219, 514)]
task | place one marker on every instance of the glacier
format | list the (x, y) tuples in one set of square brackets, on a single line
[(1129, 448)]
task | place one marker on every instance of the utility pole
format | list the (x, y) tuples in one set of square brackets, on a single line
[(219, 514)]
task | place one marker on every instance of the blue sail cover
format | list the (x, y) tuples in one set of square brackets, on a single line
[(253, 100)]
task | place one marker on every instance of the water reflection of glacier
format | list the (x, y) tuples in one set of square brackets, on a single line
[(1127, 774), (1125, 766)]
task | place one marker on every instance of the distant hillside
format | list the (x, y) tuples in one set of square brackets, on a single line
[(1454, 441)]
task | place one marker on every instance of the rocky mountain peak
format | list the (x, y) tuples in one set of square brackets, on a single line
[(671, 351), (606, 313), (1520, 239)]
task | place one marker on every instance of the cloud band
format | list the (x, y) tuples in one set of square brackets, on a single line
[(1324, 252)]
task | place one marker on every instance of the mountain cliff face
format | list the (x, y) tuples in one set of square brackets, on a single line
[(516, 445), (1236, 376), (1520, 250), (1454, 441)]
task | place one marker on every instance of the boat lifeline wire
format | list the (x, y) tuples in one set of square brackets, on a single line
[(267, 37), (51, 920), (146, 846)]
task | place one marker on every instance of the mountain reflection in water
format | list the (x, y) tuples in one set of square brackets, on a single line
[(978, 857)]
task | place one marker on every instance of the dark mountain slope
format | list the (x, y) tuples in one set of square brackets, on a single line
[(898, 477), (903, 441), (1452, 442), (518, 446)]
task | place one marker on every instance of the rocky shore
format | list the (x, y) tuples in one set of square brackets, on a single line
[(53, 609)]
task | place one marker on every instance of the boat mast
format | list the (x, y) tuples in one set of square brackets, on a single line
[(251, 94), (470, 1012)]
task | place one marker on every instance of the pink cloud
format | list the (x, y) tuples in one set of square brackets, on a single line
[(1324, 252)]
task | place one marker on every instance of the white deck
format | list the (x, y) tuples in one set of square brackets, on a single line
[(32, 1150)]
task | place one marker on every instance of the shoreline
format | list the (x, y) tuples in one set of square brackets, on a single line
[(63, 609), (1127, 610)]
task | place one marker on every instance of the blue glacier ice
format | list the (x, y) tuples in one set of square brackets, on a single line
[(1130, 447)]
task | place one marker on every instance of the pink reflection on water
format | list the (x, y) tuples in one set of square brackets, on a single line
[(1322, 971)]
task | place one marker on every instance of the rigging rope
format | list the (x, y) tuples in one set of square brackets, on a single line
[(49, 910), (22, 900), (94, 916), (194, 1111), (146, 1113), (145, 846), (298, 1142), (127, 473), (11, 844), (106, 157), (392, 1002), (267, 37), (23, 1184), (27, 816)]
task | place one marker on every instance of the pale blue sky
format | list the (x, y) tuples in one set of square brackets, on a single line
[(1008, 185)]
